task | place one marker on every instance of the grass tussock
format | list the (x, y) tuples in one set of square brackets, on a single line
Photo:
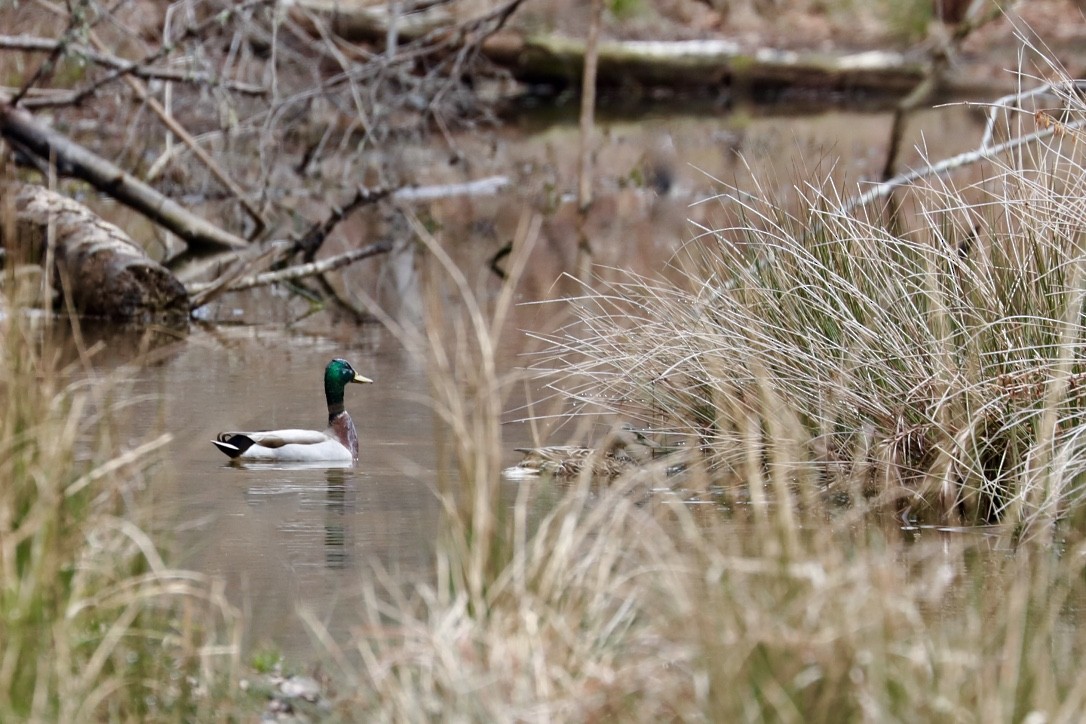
[(933, 359), (819, 367), (611, 610), (94, 625)]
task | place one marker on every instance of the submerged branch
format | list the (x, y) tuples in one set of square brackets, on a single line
[(299, 271)]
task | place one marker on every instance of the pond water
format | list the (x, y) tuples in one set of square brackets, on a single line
[(288, 538), (283, 537)]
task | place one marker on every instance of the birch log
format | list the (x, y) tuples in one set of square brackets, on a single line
[(103, 272)]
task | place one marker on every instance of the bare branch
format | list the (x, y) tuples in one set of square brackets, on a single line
[(71, 159), (478, 187), (55, 54), (243, 263), (177, 129), (299, 271), (190, 32), (311, 243), (36, 44), (881, 190)]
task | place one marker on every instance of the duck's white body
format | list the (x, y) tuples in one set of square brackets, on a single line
[(303, 446)]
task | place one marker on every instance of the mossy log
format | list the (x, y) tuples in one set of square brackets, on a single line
[(707, 65), (98, 267), (712, 65)]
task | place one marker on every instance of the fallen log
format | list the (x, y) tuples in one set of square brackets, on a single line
[(705, 64), (98, 267), (708, 66)]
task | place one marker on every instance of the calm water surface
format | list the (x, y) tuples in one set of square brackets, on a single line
[(282, 537), (289, 538)]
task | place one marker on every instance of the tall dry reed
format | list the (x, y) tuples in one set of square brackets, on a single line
[(836, 383), (94, 625), (935, 359)]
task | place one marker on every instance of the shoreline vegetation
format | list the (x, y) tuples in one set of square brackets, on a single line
[(884, 400), (94, 623), (924, 351), (890, 413)]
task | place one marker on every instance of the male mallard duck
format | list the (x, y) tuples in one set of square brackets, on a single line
[(337, 444), (623, 450)]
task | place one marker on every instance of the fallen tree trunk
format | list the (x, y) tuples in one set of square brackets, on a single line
[(710, 65), (704, 64), (102, 272)]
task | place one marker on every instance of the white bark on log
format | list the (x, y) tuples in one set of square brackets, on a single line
[(100, 268)]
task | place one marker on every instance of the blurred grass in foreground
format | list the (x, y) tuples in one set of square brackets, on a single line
[(94, 626)]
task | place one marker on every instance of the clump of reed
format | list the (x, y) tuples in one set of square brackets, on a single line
[(933, 358), (607, 608), (935, 368), (94, 625)]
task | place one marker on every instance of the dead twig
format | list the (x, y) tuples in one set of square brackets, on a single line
[(479, 187), (233, 278), (75, 20), (65, 97), (178, 130), (313, 239), (311, 242), (881, 190), (189, 33), (243, 263), (934, 79)]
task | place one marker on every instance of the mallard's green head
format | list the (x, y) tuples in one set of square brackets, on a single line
[(337, 375)]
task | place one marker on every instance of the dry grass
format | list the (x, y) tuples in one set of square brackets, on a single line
[(94, 625), (611, 610), (938, 366), (842, 378)]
